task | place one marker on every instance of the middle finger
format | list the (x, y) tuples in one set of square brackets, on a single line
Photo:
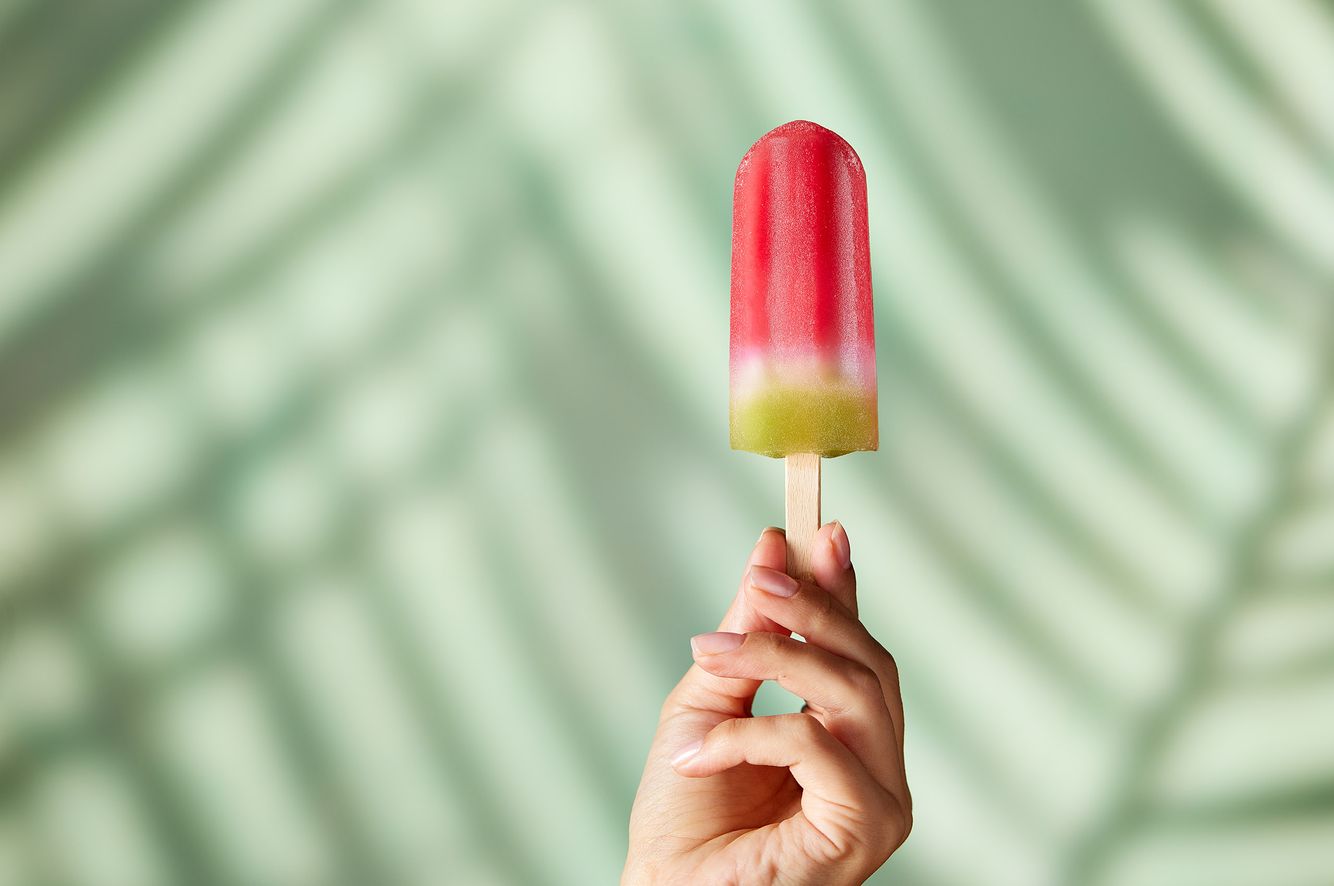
[(845, 694), (812, 612)]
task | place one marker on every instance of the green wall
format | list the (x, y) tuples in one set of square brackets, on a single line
[(363, 434)]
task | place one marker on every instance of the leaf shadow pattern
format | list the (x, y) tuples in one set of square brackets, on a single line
[(608, 378), (1244, 574)]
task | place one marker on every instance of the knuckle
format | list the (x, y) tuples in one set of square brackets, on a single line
[(900, 821), (724, 739), (766, 642), (725, 732), (884, 661), (889, 826), (900, 834), (865, 683), (882, 656), (808, 728), (820, 608), (764, 650), (885, 656)]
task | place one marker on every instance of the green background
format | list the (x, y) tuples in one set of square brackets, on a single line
[(363, 433)]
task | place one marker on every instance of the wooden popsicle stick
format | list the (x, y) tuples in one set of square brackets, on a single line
[(803, 512)]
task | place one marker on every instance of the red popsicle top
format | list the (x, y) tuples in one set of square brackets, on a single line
[(801, 268)]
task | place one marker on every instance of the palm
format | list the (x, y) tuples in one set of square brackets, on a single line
[(744, 816)]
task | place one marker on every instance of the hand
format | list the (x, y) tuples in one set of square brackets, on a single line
[(818, 797)]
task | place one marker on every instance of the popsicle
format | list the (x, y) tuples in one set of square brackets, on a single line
[(803, 382)]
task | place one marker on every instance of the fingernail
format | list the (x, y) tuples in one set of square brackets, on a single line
[(771, 581), (838, 540), (687, 752), (766, 531), (716, 642)]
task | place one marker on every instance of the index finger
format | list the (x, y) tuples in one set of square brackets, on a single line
[(820, 618), (742, 617)]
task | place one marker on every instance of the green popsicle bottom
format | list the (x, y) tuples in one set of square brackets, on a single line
[(782, 420)]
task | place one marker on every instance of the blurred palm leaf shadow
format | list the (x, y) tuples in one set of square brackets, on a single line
[(362, 463)]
